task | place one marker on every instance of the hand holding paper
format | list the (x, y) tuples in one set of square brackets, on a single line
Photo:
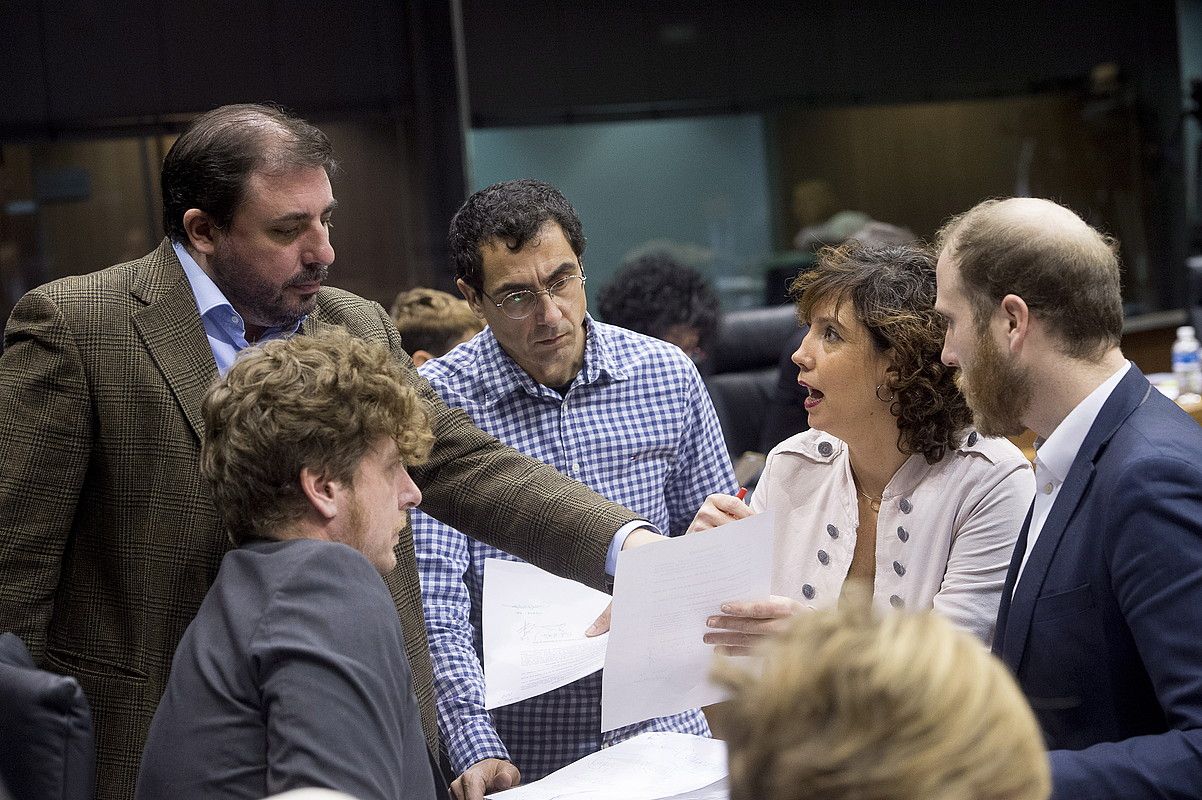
[(657, 662), (742, 625)]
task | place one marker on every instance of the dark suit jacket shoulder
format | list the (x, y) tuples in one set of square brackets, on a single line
[(291, 675), (1105, 629)]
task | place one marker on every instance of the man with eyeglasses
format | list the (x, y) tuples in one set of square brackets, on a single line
[(623, 413)]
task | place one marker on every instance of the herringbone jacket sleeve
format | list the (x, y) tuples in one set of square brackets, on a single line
[(45, 435), (490, 491)]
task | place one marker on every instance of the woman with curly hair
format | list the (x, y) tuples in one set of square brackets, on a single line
[(891, 486)]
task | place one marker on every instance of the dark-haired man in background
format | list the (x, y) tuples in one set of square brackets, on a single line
[(625, 413), (109, 537), (656, 295), (1101, 613)]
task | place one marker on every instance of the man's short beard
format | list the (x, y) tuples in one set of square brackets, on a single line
[(998, 392)]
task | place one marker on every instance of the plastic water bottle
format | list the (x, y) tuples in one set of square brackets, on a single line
[(1187, 368)]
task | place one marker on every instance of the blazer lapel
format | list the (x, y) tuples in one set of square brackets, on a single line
[(170, 327), (1128, 395), (1016, 560)]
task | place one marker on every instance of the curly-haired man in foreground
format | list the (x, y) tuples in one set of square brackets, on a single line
[(293, 673)]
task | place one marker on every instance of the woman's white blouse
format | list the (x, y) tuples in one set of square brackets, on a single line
[(944, 535)]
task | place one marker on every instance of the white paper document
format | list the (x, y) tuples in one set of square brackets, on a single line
[(651, 766), (534, 625), (656, 663)]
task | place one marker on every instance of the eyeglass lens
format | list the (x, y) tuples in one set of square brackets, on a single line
[(519, 305)]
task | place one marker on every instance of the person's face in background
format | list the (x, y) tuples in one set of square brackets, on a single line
[(688, 339), (549, 343)]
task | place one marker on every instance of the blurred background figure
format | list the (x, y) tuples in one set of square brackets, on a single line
[(432, 322), (892, 707), (819, 217), (656, 295)]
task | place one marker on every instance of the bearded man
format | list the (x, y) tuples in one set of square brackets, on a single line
[(1101, 613)]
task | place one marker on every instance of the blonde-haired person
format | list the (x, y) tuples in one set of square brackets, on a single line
[(891, 485), (293, 673), (432, 323), (851, 705)]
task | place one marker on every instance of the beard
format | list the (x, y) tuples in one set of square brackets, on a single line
[(258, 301), (998, 392)]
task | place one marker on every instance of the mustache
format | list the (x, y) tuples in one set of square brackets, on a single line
[(310, 275)]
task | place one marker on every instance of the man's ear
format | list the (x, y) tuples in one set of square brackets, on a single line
[(420, 357), (321, 491), (202, 231), (1017, 316), (471, 296)]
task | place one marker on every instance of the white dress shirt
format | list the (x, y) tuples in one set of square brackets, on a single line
[(1054, 456)]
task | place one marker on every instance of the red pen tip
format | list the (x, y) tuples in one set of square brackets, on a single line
[(739, 495)]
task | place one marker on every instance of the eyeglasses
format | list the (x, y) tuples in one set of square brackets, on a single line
[(521, 304)]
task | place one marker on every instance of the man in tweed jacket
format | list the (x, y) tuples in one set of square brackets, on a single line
[(108, 535)]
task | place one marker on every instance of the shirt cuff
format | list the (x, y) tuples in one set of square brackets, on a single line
[(615, 547), (475, 741)]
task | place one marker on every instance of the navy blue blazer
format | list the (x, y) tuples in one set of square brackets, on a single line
[(1105, 629)]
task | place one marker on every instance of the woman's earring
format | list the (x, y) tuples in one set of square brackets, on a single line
[(888, 399)]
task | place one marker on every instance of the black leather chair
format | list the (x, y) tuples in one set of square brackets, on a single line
[(744, 369), (47, 749), (1194, 292)]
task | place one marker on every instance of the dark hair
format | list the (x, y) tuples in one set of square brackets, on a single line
[(209, 164), (511, 212), (654, 292), (892, 290), (1068, 275)]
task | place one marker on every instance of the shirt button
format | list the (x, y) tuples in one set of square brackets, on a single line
[(1047, 488), (972, 438), (823, 558), (903, 534), (905, 506), (897, 602), (825, 448), (898, 568), (832, 531), (576, 468), (807, 591)]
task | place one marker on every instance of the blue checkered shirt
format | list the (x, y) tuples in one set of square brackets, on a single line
[(638, 427)]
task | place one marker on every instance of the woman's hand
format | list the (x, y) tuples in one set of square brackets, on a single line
[(719, 509), (744, 624)]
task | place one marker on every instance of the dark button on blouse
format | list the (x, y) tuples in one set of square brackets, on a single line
[(808, 592), (897, 602), (832, 531), (905, 506), (903, 534), (825, 448), (898, 568), (823, 558), (972, 438)]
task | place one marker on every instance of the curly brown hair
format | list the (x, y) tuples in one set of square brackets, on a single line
[(310, 401), (892, 289)]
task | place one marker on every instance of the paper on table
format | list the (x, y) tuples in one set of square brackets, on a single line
[(652, 766), (656, 663), (534, 625)]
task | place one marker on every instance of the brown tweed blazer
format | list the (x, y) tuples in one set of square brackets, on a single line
[(108, 535)]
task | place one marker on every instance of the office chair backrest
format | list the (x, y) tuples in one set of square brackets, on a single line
[(46, 740)]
